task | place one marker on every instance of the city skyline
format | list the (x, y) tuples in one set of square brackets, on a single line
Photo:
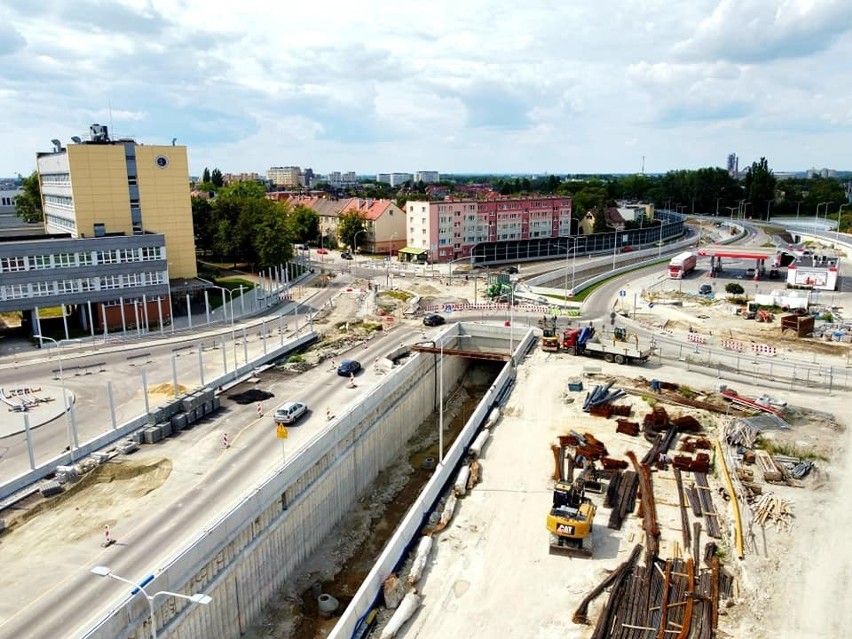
[(482, 87)]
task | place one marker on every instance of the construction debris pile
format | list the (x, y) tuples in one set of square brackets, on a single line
[(678, 596)]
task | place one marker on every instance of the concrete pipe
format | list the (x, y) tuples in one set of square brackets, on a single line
[(327, 604)]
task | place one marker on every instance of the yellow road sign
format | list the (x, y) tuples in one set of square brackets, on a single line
[(281, 431)]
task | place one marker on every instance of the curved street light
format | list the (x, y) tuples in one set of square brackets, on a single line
[(198, 598), (355, 240)]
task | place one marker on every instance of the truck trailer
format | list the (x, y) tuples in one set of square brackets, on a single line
[(582, 341), (682, 265)]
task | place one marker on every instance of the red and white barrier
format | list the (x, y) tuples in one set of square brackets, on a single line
[(108, 540), (695, 337), (732, 345), (328, 414), (763, 349), (225, 442), (259, 409)]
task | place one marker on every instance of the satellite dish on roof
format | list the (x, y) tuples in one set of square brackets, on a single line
[(76, 140), (57, 145)]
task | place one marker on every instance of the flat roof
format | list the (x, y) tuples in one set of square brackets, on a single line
[(737, 252)]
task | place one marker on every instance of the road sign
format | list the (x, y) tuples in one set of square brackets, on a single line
[(281, 431), (650, 304), (622, 293), (448, 309)]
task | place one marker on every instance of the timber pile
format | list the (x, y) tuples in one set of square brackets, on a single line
[(763, 460), (664, 598), (656, 420), (686, 424), (774, 509)]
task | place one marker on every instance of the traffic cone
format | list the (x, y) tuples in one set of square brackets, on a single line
[(108, 540)]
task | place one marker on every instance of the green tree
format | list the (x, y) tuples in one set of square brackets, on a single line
[(349, 224), (732, 288), (304, 224), (216, 178), (273, 235), (28, 203), (242, 189), (759, 185), (205, 175), (203, 227)]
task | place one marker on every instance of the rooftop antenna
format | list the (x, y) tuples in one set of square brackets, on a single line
[(109, 106), (643, 165)]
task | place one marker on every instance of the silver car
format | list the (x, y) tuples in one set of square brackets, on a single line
[(289, 412)]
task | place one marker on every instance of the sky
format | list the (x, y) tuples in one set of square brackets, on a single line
[(476, 86)]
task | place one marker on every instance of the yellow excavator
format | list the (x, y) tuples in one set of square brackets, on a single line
[(570, 519)]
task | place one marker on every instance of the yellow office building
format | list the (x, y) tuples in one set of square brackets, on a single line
[(103, 187)]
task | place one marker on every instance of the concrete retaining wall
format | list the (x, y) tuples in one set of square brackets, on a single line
[(245, 557)]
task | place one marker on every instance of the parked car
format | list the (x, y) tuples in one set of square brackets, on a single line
[(289, 412), (511, 270), (346, 255), (433, 319), (348, 367), (322, 251), (705, 289), (626, 249), (773, 274)]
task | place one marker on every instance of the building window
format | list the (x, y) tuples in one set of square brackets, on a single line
[(10, 264), (40, 289), (106, 257), (67, 286), (64, 260), (84, 259), (40, 262), (14, 291), (99, 229), (150, 253)]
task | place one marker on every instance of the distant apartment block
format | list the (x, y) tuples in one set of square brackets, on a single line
[(394, 179), (448, 230), (338, 179), (821, 173), (285, 176), (8, 193), (427, 177), (233, 178), (733, 165)]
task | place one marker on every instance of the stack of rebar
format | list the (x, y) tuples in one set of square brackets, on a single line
[(664, 598), (621, 497)]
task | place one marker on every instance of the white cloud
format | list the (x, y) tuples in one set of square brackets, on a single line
[(479, 85)]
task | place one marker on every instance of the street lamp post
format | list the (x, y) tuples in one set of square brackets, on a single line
[(816, 213), (573, 253), (827, 204), (718, 199), (355, 240), (198, 598), (72, 435), (614, 248)]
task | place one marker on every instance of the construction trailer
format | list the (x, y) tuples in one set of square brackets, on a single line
[(785, 300), (582, 341), (682, 265)]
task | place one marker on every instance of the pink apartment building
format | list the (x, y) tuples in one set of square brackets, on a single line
[(447, 230)]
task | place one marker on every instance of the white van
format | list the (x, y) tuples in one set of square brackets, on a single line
[(289, 412)]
